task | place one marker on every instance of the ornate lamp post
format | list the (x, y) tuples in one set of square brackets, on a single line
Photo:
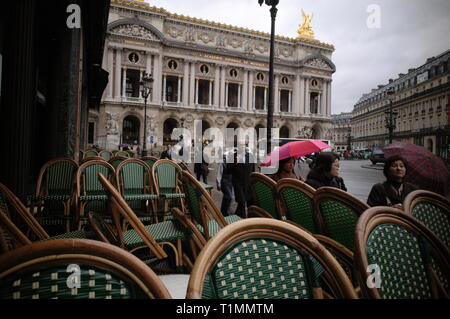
[(146, 88), (391, 115), (273, 14)]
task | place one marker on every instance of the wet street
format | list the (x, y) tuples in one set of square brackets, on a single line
[(359, 177)]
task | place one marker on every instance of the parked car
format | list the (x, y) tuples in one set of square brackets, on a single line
[(377, 157)]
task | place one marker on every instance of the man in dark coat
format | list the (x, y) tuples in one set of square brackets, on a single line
[(240, 171)]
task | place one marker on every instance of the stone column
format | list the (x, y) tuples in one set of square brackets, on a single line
[(157, 85), (290, 102), (239, 95), (110, 57), (226, 94), (196, 91), (124, 82), (179, 90), (192, 86), (251, 96), (210, 93), (164, 93), (323, 99), (265, 98), (300, 101), (277, 101), (186, 83), (245, 91), (254, 97), (222, 87), (140, 80), (148, 63), (307, 97), (279, 98), (329, 98), (118, 73), (217, 87)]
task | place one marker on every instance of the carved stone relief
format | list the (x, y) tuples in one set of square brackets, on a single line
[(133, 30), (174, 32), (318, 63), (112, 123), (205, 37)]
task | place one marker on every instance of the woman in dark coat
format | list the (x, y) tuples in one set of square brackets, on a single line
[(325, 172), (394, 190)]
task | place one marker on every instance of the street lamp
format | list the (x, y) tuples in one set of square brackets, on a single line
[(273, 14), (349, 138), (390, 115), (146, 85)]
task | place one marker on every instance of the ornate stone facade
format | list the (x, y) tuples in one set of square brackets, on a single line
[(207, 71)]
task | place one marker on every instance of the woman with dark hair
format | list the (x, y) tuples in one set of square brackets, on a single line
[(325, 172), (286, 170), (394, 190)]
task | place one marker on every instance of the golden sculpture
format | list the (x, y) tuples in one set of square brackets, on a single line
[(305, 30)]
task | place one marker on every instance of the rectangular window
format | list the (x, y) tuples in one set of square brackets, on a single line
[(284, 101)]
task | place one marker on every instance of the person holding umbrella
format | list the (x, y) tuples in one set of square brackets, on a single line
[(286, 170), (325, 172), (394, 190)]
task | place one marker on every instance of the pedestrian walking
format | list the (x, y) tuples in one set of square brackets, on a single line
[(224, 182), (167, 153), (240, 169), (201, 170)]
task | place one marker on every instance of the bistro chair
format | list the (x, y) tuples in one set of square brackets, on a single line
[(201, 208), (431, 209), (296, 201), (185, 167), (336, 214), (262, 258), (165, 175), (91, 196), (18, 227), (76, 269), (116, 160), (122, 153), (91, 158), (135, 184), (155, 236), (264, 193), (150, 160), (90, 153), (54, 193), (413, 263), (105, 154)]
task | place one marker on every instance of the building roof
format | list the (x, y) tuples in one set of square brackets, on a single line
[(142, 5)]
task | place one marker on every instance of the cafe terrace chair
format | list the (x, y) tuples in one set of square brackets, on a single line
[(412, 262), (184, 167), (150, 160), (116, 160), (89, 153), (431, 209), (90, 194), (91, 158), (54, 193), (296, 201), (262, 258), (18, 227), (336, 214), (105, 154), (76, 269), (264, 193), (201, 208), (166, 176), (135, 184), (122, 154), (155, 236)]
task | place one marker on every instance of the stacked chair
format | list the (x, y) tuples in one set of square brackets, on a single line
[(265, 197)]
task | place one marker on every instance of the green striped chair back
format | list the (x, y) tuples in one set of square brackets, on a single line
[(410, 259), (134, 177), (116, 160), (193, 200), (297, 201), (264, 193), (337, 213), (60, 177), (166, 175), (90, 154), (83, 269), (106, 155)]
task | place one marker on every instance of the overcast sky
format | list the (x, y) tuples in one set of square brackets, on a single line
[(410, 32)]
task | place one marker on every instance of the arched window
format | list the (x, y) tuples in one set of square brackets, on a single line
[(130, 130)]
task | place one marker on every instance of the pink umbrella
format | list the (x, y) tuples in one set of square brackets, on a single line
[(294, 149)]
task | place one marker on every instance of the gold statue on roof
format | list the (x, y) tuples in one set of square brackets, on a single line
[(305, 30)]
